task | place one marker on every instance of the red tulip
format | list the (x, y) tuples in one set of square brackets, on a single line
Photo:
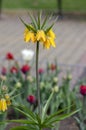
[(83, 89), (3, 71), (25, 68), (40, 71), (31, 99), (14, 70), (9, 56)]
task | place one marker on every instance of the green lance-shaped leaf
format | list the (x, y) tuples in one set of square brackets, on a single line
[(28, 26), (44, 22), (34, 21), (39, 19), (38, 119), (47, 30), (20, 128), (57, 113), (46, 106), (14, 90), (15, 95), (28, 111), (60, 117), (29, 115), (22, 121)]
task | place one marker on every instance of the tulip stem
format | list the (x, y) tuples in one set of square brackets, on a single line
[(37, 78)]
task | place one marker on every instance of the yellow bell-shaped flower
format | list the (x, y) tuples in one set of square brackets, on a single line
[(40, 36), (52, 42), (47, 43), (3, 105), (51, 34), (29, 36)]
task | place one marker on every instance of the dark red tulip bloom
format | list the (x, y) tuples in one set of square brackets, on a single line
[(9, 56), (3, 71), (40, 71), (14, 70), (83, 89), (31, 99), (25, 69), (53, 67)]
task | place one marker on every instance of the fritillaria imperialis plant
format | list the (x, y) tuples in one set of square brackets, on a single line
[(39, 32)]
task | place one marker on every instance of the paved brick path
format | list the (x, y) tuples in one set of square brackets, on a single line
[(71, 40)]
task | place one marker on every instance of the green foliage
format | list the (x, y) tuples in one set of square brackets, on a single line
[(34, 121), (81, 115), (67, 5)]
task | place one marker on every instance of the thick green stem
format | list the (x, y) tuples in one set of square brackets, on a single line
[(37, 78)]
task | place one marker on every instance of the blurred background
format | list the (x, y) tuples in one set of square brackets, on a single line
[(67, 5)]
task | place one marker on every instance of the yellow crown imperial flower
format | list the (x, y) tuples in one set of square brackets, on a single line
[(29, 36), (40, 36), (49, 42), (39, 31), (51, 34), (3, 105), (52, 42)]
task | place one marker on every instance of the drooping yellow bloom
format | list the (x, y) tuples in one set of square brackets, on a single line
[(49, 42), (3, 105), (46, 38), (29, 36), (52, 42), (51, 34), (40, 36)]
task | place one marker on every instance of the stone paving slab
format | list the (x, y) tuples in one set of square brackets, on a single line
[(71, 39)]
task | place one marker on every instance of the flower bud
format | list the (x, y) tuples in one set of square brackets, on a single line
[(7, 96), (18, 85), (30, 78), (55, 79), (42, 85), (69, 77), (25, 68), (53, 67), (55, 89), (9, 56), (14, 70), (4, 71), (83, 90), (31, 99), (2, 77), (27, 55), (41, 71), (4, 88)]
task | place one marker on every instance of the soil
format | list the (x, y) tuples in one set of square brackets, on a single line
[(67, 124)]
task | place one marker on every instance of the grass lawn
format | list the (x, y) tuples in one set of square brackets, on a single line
[(68, 5)]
